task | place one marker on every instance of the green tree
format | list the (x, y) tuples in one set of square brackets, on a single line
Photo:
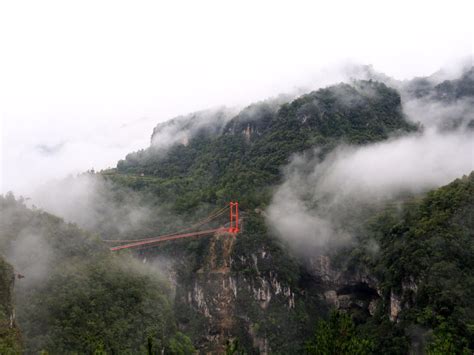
[(337, 336), (444, 342), (180, 344)]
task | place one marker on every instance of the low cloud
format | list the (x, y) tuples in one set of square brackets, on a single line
[(312, 208), (46, 149), (181, 129), (441, 115), (94, 204), (30, 255)]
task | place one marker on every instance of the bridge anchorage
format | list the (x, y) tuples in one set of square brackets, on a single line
[(192, 231)]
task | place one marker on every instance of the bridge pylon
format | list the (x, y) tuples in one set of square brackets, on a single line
[(234, 217)]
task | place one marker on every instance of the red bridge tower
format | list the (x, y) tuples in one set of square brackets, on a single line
[(234, 217)]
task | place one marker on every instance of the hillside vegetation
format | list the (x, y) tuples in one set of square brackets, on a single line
[(425, 268), (243, 161), (78, 297), (404, 283)]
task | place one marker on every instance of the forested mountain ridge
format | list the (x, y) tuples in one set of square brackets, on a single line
[(447, 90), (245, 160), (414, 293), (403, 283), (427, 259), (247, 156), (424, 270), (77, 297)]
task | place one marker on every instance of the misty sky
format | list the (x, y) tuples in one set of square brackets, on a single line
[(83, 83)]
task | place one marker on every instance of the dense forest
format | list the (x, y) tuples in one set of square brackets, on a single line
[(77, 296), (246, 157), (403, 283)]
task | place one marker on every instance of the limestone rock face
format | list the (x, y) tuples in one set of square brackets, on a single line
[(395, 306), (235, 293), (346, 290), (225, 303)]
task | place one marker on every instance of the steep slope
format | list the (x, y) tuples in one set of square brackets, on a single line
[(252, 292), (447, 90), (416, 291), (247, 157), (272, 299), (427, 266), (447, 104), (75, 297)]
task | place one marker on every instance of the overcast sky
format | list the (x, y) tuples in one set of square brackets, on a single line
[(82, 83)]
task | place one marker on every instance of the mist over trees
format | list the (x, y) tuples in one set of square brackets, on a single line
[(349, 242), (75, 295)]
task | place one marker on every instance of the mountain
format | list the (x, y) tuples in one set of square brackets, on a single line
[(423, 270), (399, 280), (246, 158), (429, 98), (447, 90), (244, 162), (75, 295)]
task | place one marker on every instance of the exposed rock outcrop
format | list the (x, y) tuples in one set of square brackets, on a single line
[(346, 290), (223, 299)]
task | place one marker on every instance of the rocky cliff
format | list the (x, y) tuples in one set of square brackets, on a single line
[(406, 271)]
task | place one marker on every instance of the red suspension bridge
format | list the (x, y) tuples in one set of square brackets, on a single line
[(232, 208)]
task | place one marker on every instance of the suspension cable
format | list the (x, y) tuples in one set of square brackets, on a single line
[(173, 237), (208, 219)]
